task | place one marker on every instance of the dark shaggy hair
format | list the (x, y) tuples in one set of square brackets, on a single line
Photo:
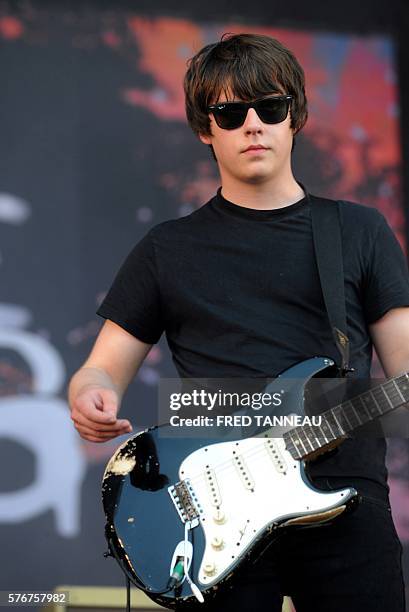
[(251, 66)]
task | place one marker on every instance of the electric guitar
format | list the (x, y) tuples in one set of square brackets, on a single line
[(183, 515)]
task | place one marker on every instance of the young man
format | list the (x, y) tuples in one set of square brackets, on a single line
[(235, 287)]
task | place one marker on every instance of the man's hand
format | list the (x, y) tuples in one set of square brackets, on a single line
[(96, 390), (94, 412)]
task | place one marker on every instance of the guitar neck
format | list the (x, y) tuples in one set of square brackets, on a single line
[(341, 420)]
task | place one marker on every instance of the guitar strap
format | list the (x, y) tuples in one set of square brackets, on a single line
[(326, 230)]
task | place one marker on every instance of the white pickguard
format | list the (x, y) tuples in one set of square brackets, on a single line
[(242, 488)]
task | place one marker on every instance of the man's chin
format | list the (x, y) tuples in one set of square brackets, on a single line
[(257, 178)]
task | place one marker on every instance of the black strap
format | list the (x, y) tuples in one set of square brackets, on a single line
[(326, 230)]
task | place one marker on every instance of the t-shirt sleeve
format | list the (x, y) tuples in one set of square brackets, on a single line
[(133, 301), (387, 280)]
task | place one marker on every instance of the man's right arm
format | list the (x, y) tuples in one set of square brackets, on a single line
[(96, 389)]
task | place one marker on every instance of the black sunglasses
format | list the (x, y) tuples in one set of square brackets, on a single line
[(232, 115)]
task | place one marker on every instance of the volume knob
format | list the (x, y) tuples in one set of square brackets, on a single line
[(217, 543), (219, 517), (209, 569)]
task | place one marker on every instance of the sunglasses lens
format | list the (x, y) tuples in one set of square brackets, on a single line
[(230, 116), (272, 111)]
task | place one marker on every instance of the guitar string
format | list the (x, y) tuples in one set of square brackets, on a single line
[(229, 463), (248, 454)]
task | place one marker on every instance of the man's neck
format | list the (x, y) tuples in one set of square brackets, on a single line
[(263, 196)]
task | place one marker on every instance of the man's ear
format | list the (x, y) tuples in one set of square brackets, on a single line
[(205, 139)]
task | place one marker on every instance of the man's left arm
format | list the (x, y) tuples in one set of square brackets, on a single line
[(390, 336)]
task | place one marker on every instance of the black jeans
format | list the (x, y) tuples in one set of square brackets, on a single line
[(353, 564)]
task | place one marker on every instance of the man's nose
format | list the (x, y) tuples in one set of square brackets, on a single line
[(253, 122)]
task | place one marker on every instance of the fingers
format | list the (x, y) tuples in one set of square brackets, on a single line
[(98, 406), (97, 436), (120, 426), (94, 415)]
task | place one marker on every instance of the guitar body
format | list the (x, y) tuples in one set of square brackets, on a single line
[(235, 494)]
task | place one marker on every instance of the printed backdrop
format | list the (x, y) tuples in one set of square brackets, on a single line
[(94, 150)]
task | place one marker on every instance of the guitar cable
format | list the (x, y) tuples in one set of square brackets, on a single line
[(128, 594), (180, 571), (196, 592)]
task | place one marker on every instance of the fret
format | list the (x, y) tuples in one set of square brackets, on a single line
[(312, 438), (302, 443), (327, 424), (289, 444), (387, 396), (307, 427), (326, 441), (344, 417), (318, 440), (364, 402), (297, 443), (403, 385), (377, 404), (340, 429), (380, 399), (398, 390), (375, 409), (311, 444), (303, 436), (355, 413), (393, 392)]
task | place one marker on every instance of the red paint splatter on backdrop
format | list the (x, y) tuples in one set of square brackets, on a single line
[(11, 28)]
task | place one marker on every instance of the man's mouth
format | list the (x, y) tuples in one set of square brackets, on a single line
[(255, 148)]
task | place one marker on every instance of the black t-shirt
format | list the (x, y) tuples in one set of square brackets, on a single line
[(237, 292)]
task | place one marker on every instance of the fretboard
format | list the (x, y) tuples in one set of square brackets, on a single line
[(341, 420)]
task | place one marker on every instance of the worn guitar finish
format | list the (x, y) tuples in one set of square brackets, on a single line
[(234, 495)]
